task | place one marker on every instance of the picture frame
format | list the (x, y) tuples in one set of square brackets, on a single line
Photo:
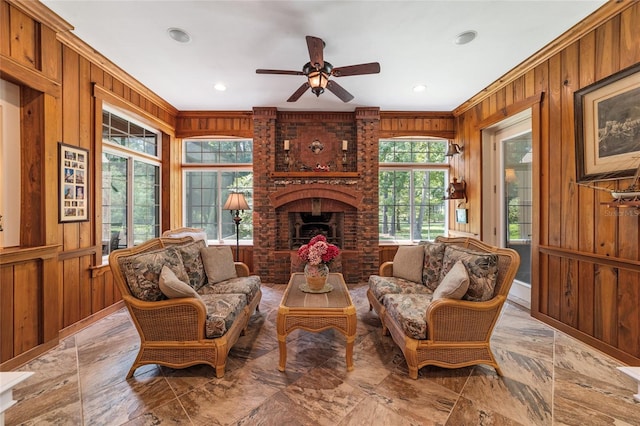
[(73, 172), (461, 215), (607, 127)]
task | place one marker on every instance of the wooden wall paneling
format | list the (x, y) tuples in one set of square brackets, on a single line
[(536, 120), (70, 127), (71, 291), (629, 36), (171, 178), (51, 300), (6, 313), (32, 208), (27, 306), (23, 38), (86, 287), (554, 191), (588, 208), (570, 79), (606, 278), (85, 126), (50, 54), (97, 75), (96, 184), (5, 26), (628, 283)]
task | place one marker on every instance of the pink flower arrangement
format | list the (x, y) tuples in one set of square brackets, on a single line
[(318, 251)]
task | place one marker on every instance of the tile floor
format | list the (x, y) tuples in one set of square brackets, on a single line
[(550, 379)]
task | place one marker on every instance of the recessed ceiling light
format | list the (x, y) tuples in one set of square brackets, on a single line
[(181, 36), (220, 87), (419, 88), (465, 37)]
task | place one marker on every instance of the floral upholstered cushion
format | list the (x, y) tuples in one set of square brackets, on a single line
[(454, 285), (218, 263), (407, 263), (192, 261), (142, 271), (482, 268), (409, 311), (222, 311), (380, 286), (249, 286), (172, 287), (433, 255)]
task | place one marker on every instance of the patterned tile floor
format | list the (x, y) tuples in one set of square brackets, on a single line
[(550, 379)]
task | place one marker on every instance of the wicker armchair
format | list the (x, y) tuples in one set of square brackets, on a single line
[(172, 332), (458, 331)]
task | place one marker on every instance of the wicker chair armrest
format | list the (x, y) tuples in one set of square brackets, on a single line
[(180, 319), (386, 269), (462, 320), (242, 270)]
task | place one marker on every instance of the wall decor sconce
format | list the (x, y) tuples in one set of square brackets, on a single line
[(345, 147), (287, 160), (453, 149), (456, 190)]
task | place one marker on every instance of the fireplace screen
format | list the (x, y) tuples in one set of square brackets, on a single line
[(304, 226)]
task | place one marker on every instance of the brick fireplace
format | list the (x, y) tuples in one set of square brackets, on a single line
[(323, 188)]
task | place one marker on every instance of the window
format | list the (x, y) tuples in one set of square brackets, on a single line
[(212, 169), (130, 183), (412, 181)]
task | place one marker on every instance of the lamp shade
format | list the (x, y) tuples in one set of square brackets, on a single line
[(236, 201)]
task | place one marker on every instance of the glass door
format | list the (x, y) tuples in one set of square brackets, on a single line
[(507, 194), (517, 192)]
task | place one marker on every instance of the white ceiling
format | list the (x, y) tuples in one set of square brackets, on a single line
[(412, 40)]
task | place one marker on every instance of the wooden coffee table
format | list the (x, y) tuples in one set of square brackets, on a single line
[(316, 312)]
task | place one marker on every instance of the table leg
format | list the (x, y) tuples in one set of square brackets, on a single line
[(282, 344), (349, 356)]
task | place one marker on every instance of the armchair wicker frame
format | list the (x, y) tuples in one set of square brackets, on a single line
[(172, 332), (458, 331)]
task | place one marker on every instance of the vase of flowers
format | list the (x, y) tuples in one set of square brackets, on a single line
[(317, 255)]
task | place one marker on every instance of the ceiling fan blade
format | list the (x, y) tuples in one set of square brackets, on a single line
[(315, 46), (296, 95), (262, 71), (370, 68), (339, 91)]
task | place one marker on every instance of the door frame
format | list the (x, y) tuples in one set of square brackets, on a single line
[(493, 226)]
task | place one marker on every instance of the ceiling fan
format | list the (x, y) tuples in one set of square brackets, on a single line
[(318, 71)]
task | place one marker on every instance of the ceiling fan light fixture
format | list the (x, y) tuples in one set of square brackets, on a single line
[(465, 37)]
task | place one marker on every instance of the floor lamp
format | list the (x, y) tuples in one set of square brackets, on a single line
[(236, 202)]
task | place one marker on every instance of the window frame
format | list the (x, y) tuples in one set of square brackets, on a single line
[(219, 169), (411, 168), (132, 156)]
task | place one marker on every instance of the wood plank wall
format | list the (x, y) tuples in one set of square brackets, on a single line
[(45, 296), (586, 278)]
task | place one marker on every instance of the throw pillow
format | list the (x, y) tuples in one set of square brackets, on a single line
[(172, 287), (190, 253), (482, 268), (142, 271), (454, 285), (433, 255), (218, 263), (407, 263)]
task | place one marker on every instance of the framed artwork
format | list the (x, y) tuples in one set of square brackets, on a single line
[(461, 216), (73, 171), (607, 127)]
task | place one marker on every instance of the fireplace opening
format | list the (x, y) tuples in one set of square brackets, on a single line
[(305, 225)]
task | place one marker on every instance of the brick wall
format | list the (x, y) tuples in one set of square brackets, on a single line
[(349, 186)]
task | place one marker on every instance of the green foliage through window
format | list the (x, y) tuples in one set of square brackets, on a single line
[(412, 182)]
